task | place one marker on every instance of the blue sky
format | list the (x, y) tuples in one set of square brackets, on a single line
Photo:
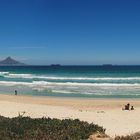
[(80, 32)]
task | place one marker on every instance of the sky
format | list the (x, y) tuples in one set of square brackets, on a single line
[(70, 32)]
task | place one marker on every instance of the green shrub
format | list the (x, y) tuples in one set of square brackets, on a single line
[(26, 128), (135, 136)]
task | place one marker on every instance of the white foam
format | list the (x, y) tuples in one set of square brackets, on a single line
[(96, 78), (38, 84), (12, 83), (44, 83), (62, 91), (4, 73), (32, 76), (93, 84)]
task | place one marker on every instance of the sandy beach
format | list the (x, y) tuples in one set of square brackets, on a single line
[(104, 112)]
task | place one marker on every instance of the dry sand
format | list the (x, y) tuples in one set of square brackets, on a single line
[(104, 112)]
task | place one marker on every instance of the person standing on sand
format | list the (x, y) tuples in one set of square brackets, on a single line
[(128, 106), (15, 92)]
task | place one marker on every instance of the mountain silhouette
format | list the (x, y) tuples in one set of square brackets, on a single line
[(9, 61)]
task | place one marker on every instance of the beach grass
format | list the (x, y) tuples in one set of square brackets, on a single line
[(135, 136), (46, 129)]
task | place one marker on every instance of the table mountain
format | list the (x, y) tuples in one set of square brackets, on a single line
[(9, 61)]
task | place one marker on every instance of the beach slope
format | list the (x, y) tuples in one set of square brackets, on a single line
[(104, 112)]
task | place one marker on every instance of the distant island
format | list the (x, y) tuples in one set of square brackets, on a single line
[(55, 65), (107, 65), (10, 62)]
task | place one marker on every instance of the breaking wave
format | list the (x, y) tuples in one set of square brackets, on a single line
[(67, 84), (33, 76), (44, 83)]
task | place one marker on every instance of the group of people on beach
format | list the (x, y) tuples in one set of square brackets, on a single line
[(128, 107)]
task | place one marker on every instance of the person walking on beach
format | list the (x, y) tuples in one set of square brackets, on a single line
[(15, 92)]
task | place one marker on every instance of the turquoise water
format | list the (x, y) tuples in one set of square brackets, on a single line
[(72, 81)]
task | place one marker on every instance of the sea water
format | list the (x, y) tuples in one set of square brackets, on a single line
[(72, 81)]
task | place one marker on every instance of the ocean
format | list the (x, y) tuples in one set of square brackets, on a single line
[(72, 81)]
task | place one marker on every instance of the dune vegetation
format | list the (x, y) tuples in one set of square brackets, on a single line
[(26, 128), (135, 136)]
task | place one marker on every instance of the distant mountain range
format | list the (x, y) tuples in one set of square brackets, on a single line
[(10, 62)]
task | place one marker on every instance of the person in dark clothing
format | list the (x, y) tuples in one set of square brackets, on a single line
[(132, 107), (127, 107), (15, 92)]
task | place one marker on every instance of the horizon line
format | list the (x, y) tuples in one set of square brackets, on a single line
[(60, 65)]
